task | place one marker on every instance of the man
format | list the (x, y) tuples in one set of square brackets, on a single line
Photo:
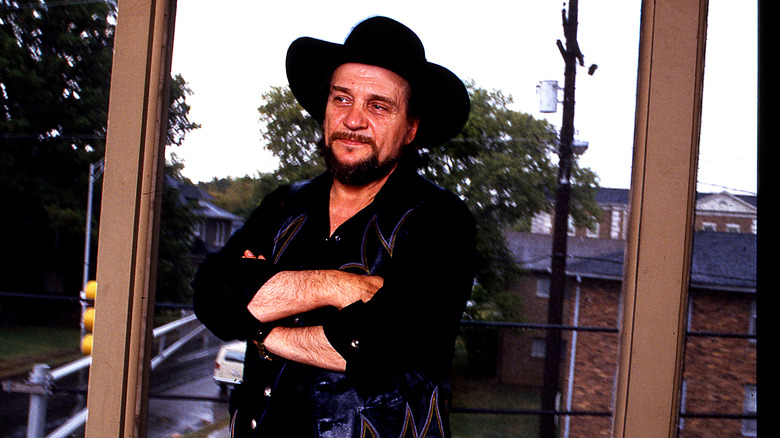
[(349, 287)]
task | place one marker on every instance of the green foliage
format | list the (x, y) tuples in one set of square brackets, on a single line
[(237, 195), (55, 70), (55, 65), (502, 165), (179, 124), (291, 135), (174, 268)]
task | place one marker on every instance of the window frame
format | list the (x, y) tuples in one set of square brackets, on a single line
[(671, 59)]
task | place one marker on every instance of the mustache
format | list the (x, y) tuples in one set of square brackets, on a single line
[(352, 136)]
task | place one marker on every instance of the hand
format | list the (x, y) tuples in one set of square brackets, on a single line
[(248, 255)]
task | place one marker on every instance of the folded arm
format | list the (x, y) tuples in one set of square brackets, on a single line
[(306, 345), (291, 293)]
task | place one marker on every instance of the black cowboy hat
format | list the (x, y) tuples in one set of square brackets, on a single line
[(439, 98)]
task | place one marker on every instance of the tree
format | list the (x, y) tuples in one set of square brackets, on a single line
[(177, 215), (55, 70), (177, 221), (55, 67), (290, 134), (239, 196), (179, 124)]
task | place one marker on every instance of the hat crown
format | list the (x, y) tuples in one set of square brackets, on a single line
[(386, 43)]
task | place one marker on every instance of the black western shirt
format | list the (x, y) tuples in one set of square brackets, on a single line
[(418, 237)]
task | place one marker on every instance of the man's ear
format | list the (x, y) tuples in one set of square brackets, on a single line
[(411, 132)]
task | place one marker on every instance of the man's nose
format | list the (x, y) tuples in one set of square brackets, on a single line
[(355, 118)]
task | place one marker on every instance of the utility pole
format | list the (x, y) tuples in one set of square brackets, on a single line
[(553, 349)]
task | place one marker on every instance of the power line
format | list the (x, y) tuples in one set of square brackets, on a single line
[(743, 191)]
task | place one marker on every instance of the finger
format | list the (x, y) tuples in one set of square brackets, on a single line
[(250, 255)]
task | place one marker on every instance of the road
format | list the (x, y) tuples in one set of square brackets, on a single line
[(186, 374), (189, 376)]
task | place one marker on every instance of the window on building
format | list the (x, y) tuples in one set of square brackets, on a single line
[(614, 231), (538, 347), (541, 223), (543, 287), (753, 318), (709, 226), (221, 233)]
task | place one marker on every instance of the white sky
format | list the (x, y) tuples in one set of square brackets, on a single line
[(230, 53)]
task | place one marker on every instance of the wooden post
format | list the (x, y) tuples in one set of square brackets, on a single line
[(663, 189), (127, 243)]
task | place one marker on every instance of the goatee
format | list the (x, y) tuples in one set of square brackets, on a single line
[(361, 173)]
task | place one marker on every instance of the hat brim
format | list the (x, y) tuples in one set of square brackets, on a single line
[(442, 99)]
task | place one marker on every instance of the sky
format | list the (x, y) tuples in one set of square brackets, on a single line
[(230, 53)]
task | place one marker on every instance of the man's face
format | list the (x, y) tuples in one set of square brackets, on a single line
[(366, 123)]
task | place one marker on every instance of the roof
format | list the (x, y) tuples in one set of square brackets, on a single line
[(532, 251), (186, 190), (612, 196), (190, 192), (605, 195), (211, 211), (723, 261), (727, 203)]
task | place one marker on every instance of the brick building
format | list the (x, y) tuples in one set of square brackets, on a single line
[(720, 358)]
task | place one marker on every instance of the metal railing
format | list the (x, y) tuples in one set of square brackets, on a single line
[(41, 380)]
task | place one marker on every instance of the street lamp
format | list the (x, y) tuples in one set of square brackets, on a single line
[(95, 171)]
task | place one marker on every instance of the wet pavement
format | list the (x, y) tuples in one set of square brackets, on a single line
[(183, 398), (168, 417)]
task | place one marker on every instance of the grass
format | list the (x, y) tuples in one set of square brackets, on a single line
[(21, 347), (470, 391)]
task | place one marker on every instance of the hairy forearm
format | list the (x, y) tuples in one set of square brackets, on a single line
[(290, 293), (306, 345)]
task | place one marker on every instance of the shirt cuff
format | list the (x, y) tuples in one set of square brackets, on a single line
[(343, 332)]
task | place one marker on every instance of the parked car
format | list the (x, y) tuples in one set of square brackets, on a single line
[(229, 366)]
